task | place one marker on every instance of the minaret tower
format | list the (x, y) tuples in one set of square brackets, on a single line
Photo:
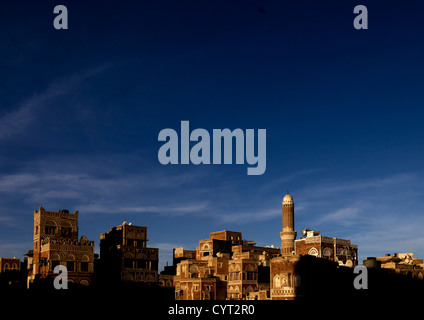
[(288, 235)]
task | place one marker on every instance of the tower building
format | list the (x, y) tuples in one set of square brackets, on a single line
[(56, 242), (288, 235)]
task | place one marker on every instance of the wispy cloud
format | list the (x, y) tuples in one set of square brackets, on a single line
[(343, 216), (176, 210), (281, 182), (96, 189), (366, 187), (7, 221), (26, 113)]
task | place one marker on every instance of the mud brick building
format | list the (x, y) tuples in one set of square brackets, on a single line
[(226, 267), (125, 256), (338, 250), (56, 242)]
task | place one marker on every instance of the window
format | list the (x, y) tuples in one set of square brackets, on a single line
[(128, 263), (66, 231), (327, 253), (313, 252), (277, 282), (54, 263), (70, 265), (154, 265), (250, 275), (141, 264), (84, 266), (84, 283), (49, 230)]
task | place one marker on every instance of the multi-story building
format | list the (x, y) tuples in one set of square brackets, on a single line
[(125, 256), (226, 267), (56, 243), (195, 281)]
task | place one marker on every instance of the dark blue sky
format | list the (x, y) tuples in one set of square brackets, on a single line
[(81, 109)]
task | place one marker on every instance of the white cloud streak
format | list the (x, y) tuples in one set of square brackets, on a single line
[(17, 121)]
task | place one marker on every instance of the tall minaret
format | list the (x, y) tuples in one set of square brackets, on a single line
[(288, 235)]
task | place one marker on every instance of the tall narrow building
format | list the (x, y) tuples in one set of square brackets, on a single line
[(56, 243), (288, 235)]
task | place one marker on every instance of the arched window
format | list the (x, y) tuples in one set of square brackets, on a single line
[(276, 282), (66, 229), (84, 283), (70, 264), (313, 252), (50, 227), (286, 280), (54, 261), (327, 253), (250, 272), (85, 263)]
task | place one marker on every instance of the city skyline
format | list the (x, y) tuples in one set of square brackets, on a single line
[(81, 110)]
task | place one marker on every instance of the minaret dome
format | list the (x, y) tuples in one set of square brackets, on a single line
[(288, 199)]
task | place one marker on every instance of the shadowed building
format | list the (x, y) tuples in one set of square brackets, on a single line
[(125, 256), (10, 264), (11, 274)]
